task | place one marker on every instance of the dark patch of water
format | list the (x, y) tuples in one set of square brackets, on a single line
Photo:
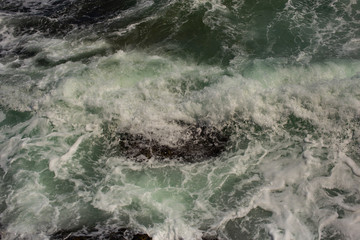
[(113, 234), (200, 142)]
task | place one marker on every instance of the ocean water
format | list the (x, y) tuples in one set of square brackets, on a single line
[(279, 78)]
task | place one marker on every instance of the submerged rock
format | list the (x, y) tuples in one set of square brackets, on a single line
[(207, 236), (115, 234), (198, 142)]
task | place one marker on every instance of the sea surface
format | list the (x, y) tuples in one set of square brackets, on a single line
[(87, 85)]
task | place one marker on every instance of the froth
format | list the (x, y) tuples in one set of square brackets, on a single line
[(286, 166)]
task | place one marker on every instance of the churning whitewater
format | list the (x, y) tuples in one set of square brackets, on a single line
[(169, 120)]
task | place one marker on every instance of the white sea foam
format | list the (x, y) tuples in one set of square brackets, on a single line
[(299, 168), (57, 165)]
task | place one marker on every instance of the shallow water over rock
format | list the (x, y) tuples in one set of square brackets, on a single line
[(198, 142)]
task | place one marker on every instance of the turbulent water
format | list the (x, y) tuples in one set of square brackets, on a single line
[(279, 78)]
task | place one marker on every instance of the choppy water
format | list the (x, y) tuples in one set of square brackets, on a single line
[(284, 75)]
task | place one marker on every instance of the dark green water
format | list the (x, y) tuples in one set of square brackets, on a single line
[(278, 80)]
